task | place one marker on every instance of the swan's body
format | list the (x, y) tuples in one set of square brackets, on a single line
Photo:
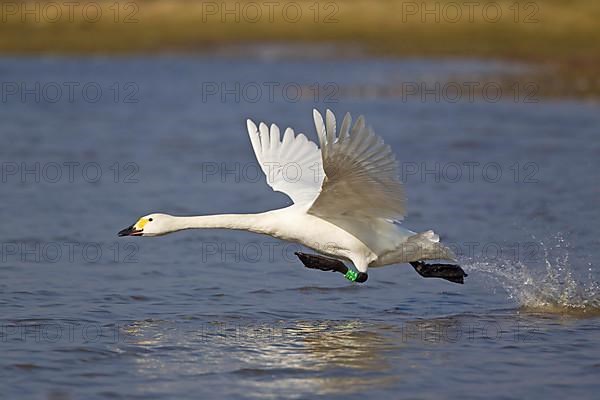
[(348, 200)]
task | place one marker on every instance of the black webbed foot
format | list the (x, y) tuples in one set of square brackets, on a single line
[(449, 272), (322, 263)]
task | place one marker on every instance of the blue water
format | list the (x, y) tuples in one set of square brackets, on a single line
[(511, 184)]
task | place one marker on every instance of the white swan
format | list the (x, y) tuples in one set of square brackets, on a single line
[(348, 201)]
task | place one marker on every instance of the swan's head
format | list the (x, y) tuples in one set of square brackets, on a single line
[(150, 225)]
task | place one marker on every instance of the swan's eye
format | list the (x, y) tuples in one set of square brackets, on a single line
[(150, 219)]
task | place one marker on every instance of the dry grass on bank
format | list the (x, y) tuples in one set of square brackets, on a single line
[(565, 33)]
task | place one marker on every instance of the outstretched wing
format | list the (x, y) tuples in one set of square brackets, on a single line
[(361, 173), (292, 164)]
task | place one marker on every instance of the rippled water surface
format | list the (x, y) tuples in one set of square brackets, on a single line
[(513, 186)]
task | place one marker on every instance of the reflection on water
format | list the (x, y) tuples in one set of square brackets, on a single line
[(345, 344), (333, 357), (351, 354)]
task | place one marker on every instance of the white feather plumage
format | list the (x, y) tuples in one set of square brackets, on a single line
[(348, 199)]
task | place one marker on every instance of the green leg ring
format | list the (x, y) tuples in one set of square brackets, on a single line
[(351, 275)]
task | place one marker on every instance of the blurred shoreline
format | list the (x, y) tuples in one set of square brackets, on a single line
[(560, 39)]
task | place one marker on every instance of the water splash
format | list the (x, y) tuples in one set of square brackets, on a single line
[(554, 287)]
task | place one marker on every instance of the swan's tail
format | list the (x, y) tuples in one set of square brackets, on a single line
[(426, 246), (419, 247)]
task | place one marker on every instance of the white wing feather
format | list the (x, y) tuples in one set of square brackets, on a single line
[(292, 164), (361, 173), (352, 182), (354, 174)]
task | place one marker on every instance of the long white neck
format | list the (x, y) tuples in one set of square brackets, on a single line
[(249, 222)]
